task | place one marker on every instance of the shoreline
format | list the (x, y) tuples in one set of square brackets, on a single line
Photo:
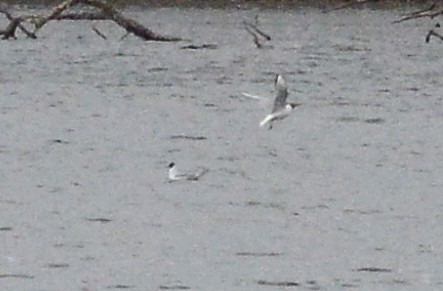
[(241, 4)]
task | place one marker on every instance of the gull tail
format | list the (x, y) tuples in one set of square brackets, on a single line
[(197, 175), (200, 173)]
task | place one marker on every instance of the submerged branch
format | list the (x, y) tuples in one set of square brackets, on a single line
[(256, 33), (256, 29), (433, 33)]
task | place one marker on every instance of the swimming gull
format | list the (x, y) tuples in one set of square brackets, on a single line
[(175, 175)]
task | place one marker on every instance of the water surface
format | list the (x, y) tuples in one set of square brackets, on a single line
[(344, 193)]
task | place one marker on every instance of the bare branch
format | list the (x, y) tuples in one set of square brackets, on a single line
[(431, 12), (14, 23), (130, 25), (432, 7), (57, 11), (106, 12)]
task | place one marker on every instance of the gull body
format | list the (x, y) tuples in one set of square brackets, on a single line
[(281, 108), (175, 175)]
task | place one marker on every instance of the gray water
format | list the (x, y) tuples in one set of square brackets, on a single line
[(346, 193)]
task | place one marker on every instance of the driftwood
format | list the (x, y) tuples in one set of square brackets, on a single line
[(105, 11), (432, 11)]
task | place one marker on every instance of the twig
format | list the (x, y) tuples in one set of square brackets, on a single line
[(95, 29)]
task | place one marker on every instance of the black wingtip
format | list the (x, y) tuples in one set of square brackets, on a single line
[(293, 105)]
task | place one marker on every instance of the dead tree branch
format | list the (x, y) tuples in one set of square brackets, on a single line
[(431, 12), (106, 12), (14, 22), (57, 11), (130, 25)]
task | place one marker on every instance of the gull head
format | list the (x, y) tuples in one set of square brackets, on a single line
[(172, 173), (280, 83)]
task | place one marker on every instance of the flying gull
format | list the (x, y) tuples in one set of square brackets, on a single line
[(281, 108)]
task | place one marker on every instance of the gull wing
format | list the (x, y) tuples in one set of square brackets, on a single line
[(282, 94), (255, 97), (280, 100)]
